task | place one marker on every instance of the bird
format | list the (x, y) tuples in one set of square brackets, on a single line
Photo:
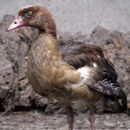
[(66, 72)]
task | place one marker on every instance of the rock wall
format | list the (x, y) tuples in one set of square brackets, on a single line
[(15, 92)]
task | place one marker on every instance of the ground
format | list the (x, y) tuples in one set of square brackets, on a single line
[(36, 120)]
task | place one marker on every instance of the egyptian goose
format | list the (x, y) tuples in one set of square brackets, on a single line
[(73, 72)]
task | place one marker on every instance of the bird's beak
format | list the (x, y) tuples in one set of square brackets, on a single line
[(16, 23)]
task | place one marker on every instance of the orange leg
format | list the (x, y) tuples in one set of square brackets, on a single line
[(70, 117)]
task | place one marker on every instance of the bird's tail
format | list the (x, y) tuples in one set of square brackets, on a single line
[(108, 104), (113, 91)]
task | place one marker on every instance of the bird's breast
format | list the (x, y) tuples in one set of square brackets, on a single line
[(49, 76), (45, 72)]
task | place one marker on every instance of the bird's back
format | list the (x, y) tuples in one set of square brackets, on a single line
[(79, 55)]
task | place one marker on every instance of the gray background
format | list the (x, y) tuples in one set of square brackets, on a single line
[(79, 15)]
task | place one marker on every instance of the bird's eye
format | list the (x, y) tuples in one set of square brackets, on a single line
[(30, 13)]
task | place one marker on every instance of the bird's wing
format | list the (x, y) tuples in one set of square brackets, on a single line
[(79, 55)]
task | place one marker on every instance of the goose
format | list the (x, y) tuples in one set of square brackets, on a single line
[(69, 72)]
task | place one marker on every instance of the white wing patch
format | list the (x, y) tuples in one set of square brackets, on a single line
[(94, 65), (98, 56), (85, 72)]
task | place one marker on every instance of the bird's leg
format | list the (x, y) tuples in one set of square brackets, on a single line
[(70, 117), (92, 119)]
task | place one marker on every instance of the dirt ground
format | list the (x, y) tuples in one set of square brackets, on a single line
[(36, 120)]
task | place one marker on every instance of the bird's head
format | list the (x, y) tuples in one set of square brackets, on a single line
[(34, 16)]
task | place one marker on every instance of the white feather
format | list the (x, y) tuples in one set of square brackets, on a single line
[(98, 56), (94, 65), (85, 72)]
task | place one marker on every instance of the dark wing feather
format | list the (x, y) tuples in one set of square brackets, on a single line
[(109, 88), (78, 54)]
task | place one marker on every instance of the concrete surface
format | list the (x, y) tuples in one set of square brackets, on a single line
[(79, 15)]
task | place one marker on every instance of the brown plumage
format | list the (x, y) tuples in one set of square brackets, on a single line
[(76, 72)]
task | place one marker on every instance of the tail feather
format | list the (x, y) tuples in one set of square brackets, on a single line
[(108, 104), (107, 87)]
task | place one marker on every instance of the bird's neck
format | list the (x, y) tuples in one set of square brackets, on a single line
[(47, 31), (47, 28), (44, 60), (45, 48), (49, 42)]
